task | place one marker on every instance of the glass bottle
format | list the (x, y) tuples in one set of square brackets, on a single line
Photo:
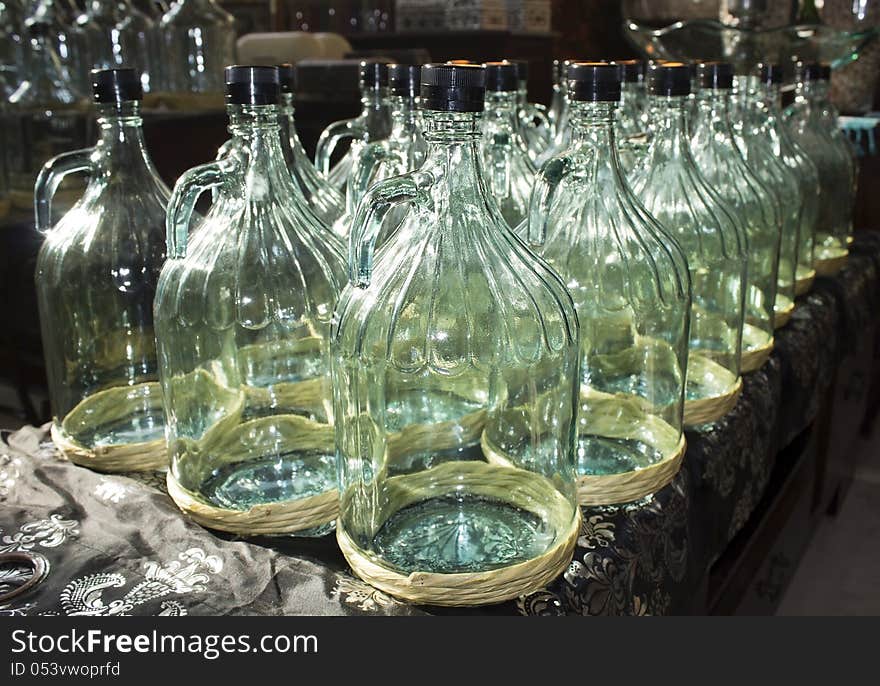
[(372, 124), (197, 39), (809, 129), (676, 194), (67, 43), (629, 281), (243, 313), (96, 276), (719, 160), (558, 103), (534, 123), (755, 141), (11, 46), (325, 201), (44, 117), (562, 132), (789, 153), (508, 168), (631, 114), (404, 150), (115, 34), (455, 377)]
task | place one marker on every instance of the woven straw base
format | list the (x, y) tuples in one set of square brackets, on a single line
[(783, 316), (708, 410), (756, 349), (474, 588), (107, 406), (613, 489), (804, 283), (831, 265), (260, 520)]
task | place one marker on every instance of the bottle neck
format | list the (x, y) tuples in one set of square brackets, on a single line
[(256, 130), (403, 115), (592, 122), (374, 98), (453, 154), (121, 140), (669, 124), (501, 109), (287, 106), (713, 114)]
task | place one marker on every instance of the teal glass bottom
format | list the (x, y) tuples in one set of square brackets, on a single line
[(139, 428), (601, 455), (461, 533)]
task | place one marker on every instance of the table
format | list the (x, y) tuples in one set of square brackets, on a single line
[(750, 488)]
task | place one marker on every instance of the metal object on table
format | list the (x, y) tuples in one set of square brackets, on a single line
[(21, 572)]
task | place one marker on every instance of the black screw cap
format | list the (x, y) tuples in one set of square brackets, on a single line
[(593, 81), (501, 77), (715, 75), (770, 74), (252, 85), (669, 78), (287, 78), (116, 85), (373, 74), (631, 71), (404, 79), (453, 87)]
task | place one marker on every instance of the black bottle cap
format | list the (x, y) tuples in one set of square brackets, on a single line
[(501, 76), (770, 74), (37, 27), (522, 69), (116, 85), (404, 79), (715, 75), (252, 85), (669, 78), (807, 71), (373, 74), (287, 78), (631, 71), (453, 87), (593, 81)]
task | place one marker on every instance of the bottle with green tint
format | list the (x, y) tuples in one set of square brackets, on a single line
[(95, 279), (719, 160), (786, 150), (630, 285), (325, 201), (534, 123), (507, 167), (404, 149), (755, 139), (455, 364), (372, 124), (242, 311), (810, 130), (676, 194)]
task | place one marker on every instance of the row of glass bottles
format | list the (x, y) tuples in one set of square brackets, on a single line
[(461, 380), (181, 50)]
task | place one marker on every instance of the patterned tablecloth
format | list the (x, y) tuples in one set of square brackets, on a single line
[(118, 545)]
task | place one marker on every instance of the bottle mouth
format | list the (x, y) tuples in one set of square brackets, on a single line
[(453, 87)]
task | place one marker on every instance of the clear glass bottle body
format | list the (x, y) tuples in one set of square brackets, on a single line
[(631, 290), (371, 125), (507, 165), (96, 277), (44, 118), (404, 150), (675, 193), (197, 40), (809, 130), (755, 139), (12, 46), (720, 162), (243, 313), (325, 201), (454, 366)]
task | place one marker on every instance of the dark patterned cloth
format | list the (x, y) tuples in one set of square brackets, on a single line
[(117, 545)]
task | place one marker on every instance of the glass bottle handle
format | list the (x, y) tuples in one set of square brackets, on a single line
[(51, 176), (542, 198), (499, 172), (183, 201), (362, 174), (538, 111), (411, 188), (330, 138)]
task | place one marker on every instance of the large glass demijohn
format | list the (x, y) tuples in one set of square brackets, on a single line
[(455, 379), (676, 194), (96, 276), (243, 312), (630, 285), (721, 163)]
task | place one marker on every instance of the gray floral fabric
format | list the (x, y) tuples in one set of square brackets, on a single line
[(117, 545)]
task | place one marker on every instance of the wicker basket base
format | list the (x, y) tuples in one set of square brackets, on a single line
[(106, 407), (829, 266), (803, 284), (708, 410), (260, 520), (756, 349), (782, 316), (472, 588)]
